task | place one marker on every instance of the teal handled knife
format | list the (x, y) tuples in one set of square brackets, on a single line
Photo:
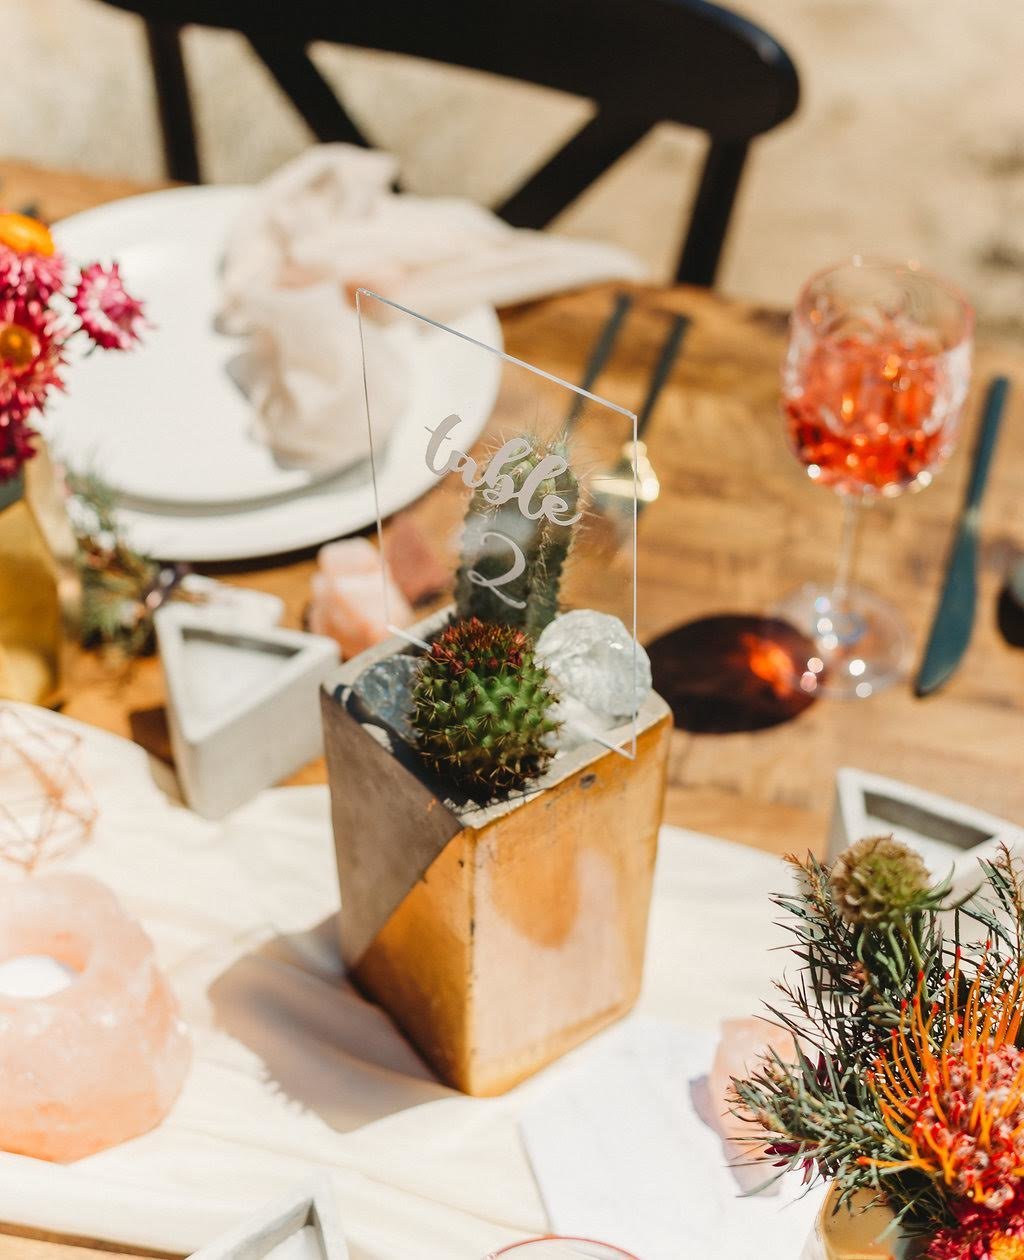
[(954, 618)]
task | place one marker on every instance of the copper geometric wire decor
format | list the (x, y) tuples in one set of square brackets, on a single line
[(46, 810)]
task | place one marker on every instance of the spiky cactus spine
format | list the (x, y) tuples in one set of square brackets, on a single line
[(545, 547), (482, 708)]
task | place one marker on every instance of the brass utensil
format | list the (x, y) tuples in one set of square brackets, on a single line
[(634, 470)]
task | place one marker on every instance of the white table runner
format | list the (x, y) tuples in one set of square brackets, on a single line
[(295, 1074)]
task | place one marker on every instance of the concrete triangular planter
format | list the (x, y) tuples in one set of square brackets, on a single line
[(305, 1222), (220, 715)]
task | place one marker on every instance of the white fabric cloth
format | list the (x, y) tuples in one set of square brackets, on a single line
[(614, 1137), (294, 1074), (328, 223)]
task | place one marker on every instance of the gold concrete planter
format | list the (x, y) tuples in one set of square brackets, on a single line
[(40, 592), (496, 937), (855, 1235)]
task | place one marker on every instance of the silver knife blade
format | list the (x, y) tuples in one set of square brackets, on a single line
[(954, 618)]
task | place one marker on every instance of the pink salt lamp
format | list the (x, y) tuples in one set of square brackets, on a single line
[(101, 1059), (348, 597), (742, 1046), (413, 562)]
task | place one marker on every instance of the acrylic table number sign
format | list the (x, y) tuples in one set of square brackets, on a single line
[(518, 515), (497, 769)]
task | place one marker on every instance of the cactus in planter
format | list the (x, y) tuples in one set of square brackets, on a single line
[(482, 708), (511, 565)]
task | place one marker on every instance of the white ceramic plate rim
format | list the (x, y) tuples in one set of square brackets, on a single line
[(308, 514)]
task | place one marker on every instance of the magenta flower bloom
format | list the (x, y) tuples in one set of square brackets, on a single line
[(16, 445), (109, 314), (27, 275), (30, 356)]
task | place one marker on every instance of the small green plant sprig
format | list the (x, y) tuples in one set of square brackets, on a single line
[(121, 588)]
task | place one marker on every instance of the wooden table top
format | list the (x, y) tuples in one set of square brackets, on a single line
[(736, 526)]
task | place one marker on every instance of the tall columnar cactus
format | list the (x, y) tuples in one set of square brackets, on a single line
[(511, 565), (482, 708)]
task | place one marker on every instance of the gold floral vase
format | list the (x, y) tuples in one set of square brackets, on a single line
[(40, 591), (862, 1233)]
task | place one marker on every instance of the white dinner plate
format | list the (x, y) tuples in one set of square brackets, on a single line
[(166, 426)]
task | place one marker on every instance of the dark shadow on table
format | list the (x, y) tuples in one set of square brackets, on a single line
[(149, 729), (729, 673), (323, 1045)]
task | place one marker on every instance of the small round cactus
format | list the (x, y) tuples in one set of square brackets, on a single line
[(876, 880), (482, 708)]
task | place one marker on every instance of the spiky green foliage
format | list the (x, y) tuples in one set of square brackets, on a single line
[(868, 940), (121, 587), (530, 600), (482, 708)]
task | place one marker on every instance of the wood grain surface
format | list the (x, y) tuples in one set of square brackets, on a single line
[(736, 526)]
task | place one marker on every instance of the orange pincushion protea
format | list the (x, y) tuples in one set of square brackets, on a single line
[(958, 1113), (980, 1235)]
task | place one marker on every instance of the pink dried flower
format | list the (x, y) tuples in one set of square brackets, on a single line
[(30, 264), (109, 314), (30, 356), (16, 445), (31, 275)]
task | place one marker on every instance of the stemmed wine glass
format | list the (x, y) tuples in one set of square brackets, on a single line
[(552, 1248), (873, 384)]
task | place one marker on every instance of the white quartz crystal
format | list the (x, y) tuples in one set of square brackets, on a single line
[(578, 724), (592, 658)]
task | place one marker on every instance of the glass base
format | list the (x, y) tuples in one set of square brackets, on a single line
[(859, 648)]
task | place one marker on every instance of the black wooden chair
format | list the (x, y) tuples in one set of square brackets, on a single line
[(640, 61)]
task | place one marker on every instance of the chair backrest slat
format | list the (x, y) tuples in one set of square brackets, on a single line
[(590, 152), (640, 62), (297, 75)]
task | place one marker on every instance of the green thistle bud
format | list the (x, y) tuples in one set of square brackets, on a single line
[(877, 880)]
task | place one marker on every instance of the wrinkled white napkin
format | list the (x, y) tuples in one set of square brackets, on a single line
[(328, 223)]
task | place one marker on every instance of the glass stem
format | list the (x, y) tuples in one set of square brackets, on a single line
[(852, 504)]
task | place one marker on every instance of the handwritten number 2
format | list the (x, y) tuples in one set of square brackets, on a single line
[(503, 579)]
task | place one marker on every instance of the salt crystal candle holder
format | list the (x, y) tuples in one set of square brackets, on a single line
[(351, 604), (100, 1059)]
